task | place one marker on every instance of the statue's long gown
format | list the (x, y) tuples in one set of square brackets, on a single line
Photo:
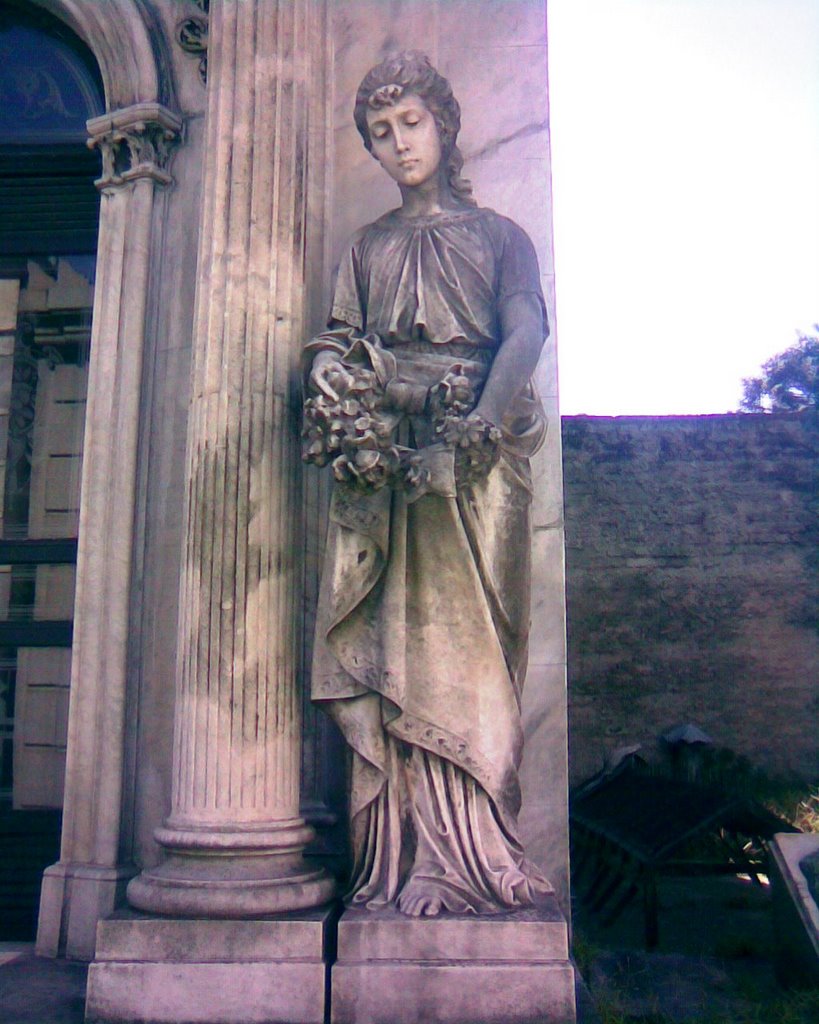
[(421, 637)]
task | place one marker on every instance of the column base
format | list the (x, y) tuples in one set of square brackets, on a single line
[(73, 898), (270, 971), (155, 893), (230, 873), (510, 968)]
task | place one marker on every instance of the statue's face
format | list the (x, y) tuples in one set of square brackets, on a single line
[(405, 141)]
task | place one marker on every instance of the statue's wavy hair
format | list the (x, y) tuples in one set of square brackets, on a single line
[(412, 72)]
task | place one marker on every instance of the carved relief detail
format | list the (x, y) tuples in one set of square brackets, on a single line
[(192, 36), (135, 142)]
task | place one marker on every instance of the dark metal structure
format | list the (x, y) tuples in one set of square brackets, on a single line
[(631, 825)]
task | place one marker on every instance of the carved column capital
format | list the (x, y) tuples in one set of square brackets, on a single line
[(135, 142)]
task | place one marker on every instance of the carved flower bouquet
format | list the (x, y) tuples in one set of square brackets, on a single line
[(475, 441), (354, 432), (354, 429)]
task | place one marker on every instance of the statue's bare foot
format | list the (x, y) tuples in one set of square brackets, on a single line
[(419, 905)]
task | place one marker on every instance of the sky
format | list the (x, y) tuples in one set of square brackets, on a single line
[(685, 166)]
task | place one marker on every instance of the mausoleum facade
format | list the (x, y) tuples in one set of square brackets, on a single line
[(163, 538)]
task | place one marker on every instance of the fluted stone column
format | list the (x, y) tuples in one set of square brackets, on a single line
[(136, 144), (234, 838)]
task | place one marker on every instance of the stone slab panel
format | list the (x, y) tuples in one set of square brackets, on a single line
[(486, 992), (210, 993), (151, 970), (535, 935), (91, 893), (509, 968), (129, 936), (543, 822), (796, 915)]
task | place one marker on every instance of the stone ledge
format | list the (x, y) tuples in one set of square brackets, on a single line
[(133, 937), (389, 992), (510, 968), (152, 970), (211, 993), (536, 935)]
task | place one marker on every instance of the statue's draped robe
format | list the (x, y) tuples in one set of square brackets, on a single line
[(421, 637)]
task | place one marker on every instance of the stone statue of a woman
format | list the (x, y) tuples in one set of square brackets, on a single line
[(419, 394)]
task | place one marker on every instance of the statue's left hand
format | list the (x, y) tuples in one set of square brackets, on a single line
[(328, 376)]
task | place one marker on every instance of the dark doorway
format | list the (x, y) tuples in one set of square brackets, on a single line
[(49, 215)]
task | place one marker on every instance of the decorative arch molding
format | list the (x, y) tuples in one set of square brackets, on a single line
[(136, 137), (129, 43)]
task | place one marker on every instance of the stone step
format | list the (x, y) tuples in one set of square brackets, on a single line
[(509, 968)]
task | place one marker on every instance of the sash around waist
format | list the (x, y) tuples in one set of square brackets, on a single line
[(417, 366), (456, 350)]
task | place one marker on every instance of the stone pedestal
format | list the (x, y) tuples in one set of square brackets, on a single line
[(510, 968), (235, 972)]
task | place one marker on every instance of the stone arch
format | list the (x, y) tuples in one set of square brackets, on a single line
[(129, 44)]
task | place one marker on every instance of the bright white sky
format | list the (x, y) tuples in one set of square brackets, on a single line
[(685, 162)]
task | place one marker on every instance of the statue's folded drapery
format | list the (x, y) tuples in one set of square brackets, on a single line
[(423, 618)]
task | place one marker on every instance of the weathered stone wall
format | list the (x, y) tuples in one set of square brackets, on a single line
[(693, 584)]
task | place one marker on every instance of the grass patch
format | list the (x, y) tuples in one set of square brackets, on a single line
[(806, 815), (584, 954), (739, 947), (794, 1008)]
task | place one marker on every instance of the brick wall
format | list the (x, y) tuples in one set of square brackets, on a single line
[(693, 584)]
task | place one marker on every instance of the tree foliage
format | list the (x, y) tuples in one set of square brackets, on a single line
[(789, 381)]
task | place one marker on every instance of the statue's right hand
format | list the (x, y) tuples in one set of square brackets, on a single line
[(328, 376)]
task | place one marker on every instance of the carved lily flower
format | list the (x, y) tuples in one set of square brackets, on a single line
[(363, 424), (459, 391), (366, 460), (366, 390), (367, 469), (453, 395), (467, 431), (416, 475)]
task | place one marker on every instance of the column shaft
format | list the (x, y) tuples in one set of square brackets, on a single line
[(234, 837)]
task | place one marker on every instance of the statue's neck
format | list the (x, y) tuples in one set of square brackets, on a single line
[(433, 196)]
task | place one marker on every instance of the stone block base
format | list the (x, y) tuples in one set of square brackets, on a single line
[(73, 898), (796, 915), (508, 968), (164, 971)]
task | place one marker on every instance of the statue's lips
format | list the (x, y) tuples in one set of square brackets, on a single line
[(407, 163)]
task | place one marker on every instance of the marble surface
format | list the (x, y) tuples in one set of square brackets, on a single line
[(234, 972), (537, 934), (509, 968), (453, 993), (128, 936)]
